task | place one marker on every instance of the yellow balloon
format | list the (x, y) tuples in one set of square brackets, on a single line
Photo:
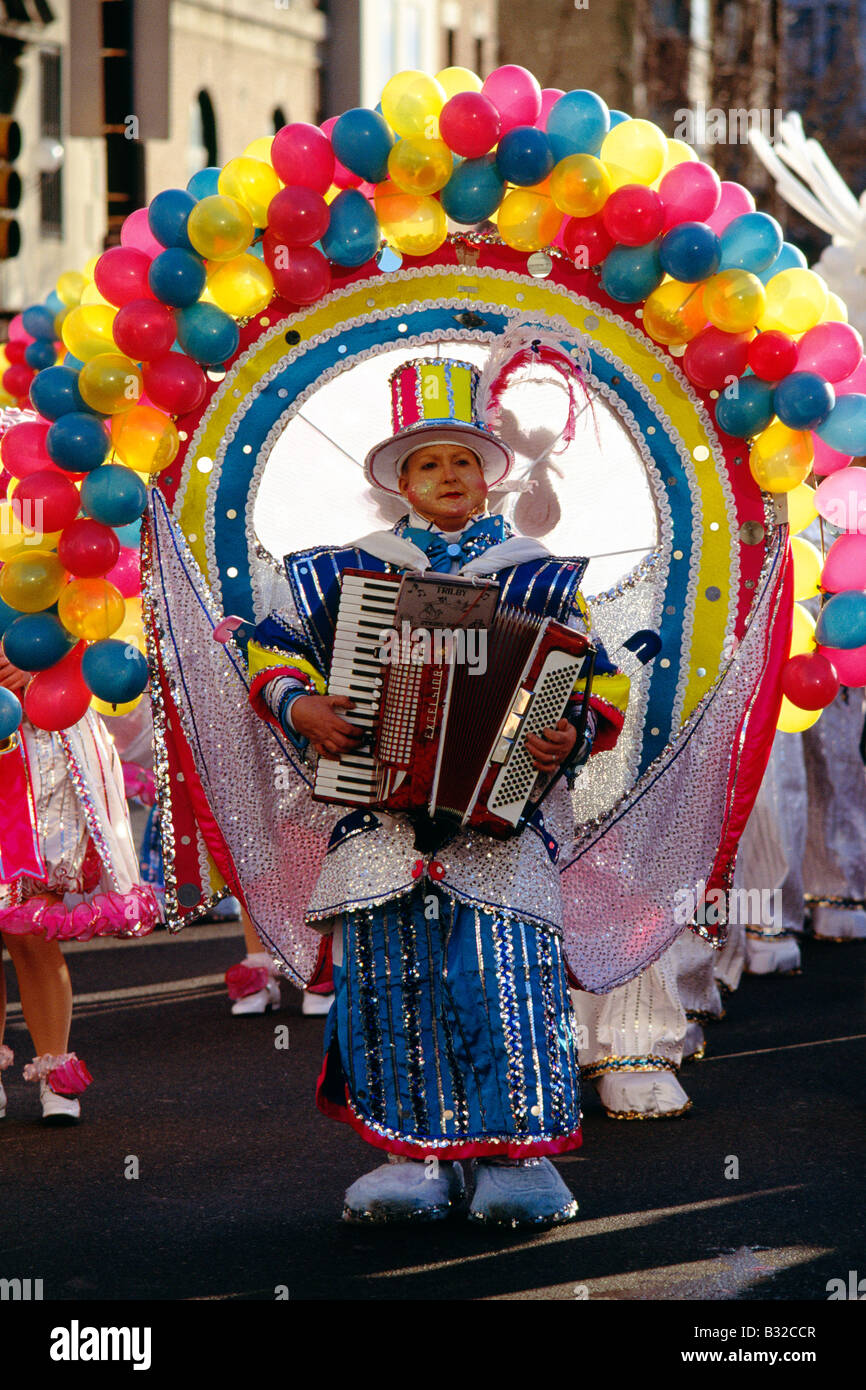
[(836, 310), (260, 149), (90, 267), (634, 152), (110, 383), (31, 582), (414, 225), (796, 300), (17, 535), (111, 711), (132, 628), (70, 286), (90, 295), (420, 166), (678, 152), (674, 313), (801, 508), (220, 228), (58, 324), (91, 609), (528, 220), (807, 568), (580, 185), (87, 330), (803, 633), (241, 287), (781, 458), (793, 720), (146, 439), (253, 183), (734, 300), (411, 102), (454, 80)]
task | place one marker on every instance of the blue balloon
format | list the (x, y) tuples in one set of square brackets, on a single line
[(803, 400), (690, 252), (113, 495), (630, 273), (55, 392), (473, 191), (745, 407), (353, 235), (36, 641), (38, 321), (842, 622), (168, 215), (7, 615), (54, 303), (11, 713), (751, 242), (40, 355), (204, 183), (77, 442), (524, 156), (577, 124), (129, 535), (845, 428), (789, 258), (207, 334), (114, 671), (177, 277), (362, 140), (617, 117)]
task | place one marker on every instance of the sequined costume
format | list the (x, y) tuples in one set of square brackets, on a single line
[(452, 1030), (72, 810)]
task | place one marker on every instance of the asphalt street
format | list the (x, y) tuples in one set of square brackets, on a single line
[(240, 1179)]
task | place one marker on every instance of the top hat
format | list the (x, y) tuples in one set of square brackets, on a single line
[(433, 399)]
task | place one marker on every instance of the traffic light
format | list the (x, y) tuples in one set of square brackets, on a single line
[(10, 187)]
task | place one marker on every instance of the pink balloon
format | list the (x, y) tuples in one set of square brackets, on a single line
[(850, 665), (549, 97), (516, 95), (126, 573), (828, 460), (17, 330), (690, 193), (841, 499), (845, 565), (136, 233), (734, 199), (833, 349), (856, 381), (343, 177)]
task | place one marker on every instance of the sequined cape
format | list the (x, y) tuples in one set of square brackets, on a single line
[(236, 794)]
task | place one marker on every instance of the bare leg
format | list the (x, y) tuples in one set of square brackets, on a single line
[(253, 944), (46, 991)]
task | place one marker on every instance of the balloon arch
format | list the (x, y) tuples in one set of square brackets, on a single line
[(184, 351)]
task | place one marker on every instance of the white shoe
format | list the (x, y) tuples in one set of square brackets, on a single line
[(260, 1002), (642, 1095), (772, 955), (316, 1004), (56, 1109)]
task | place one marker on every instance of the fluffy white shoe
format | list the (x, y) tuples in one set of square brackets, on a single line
[(58, 1110), (642, 1095), (772, 955), (521, 1192), (316, 1004), (260, 1002), (405, 1191)]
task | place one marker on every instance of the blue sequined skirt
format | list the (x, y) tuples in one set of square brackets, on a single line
[(451, 1032)]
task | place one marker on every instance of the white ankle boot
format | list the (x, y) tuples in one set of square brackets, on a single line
[(252, 986), (56, 1109), (69, 1075)]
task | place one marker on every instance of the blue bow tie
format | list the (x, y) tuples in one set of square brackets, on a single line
[(489, 531)]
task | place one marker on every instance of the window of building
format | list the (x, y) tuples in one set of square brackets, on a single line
[(50, 181)]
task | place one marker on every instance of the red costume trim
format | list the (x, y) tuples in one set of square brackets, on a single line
[(257, 699)]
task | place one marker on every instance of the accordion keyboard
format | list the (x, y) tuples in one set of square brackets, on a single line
[(368, 606), (513, 785)]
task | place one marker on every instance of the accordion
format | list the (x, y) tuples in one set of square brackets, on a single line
[(447, 687)]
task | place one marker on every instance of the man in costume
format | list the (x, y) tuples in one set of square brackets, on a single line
[(451, 1036)]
